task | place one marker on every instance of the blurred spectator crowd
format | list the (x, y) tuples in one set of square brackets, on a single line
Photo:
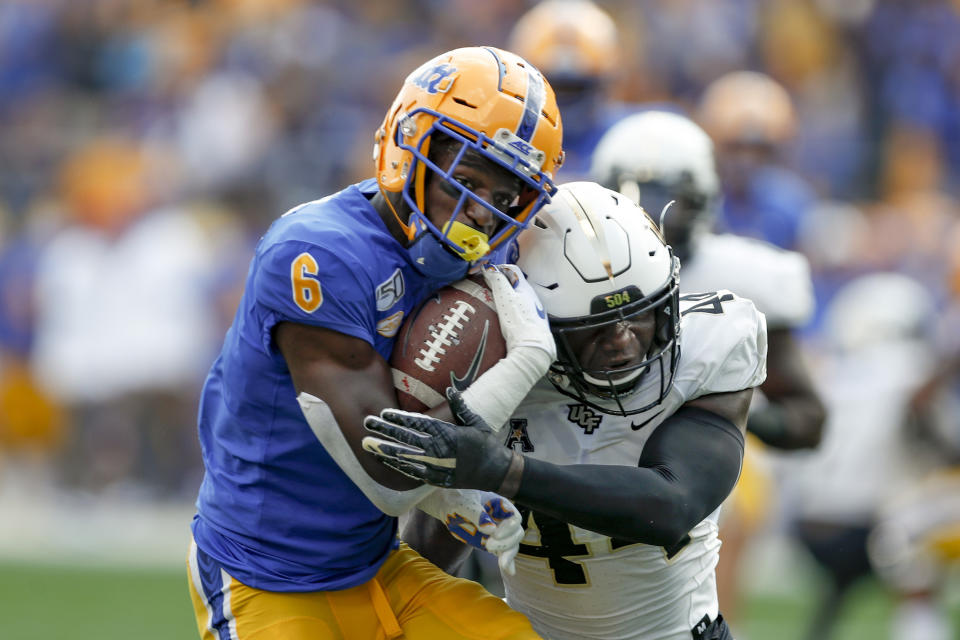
[(145, 145)]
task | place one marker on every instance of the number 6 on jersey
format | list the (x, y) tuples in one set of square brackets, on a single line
[(306, 286)]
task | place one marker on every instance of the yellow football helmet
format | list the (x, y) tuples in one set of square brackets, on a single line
[(567, 39), (490, 101), (747, 107)]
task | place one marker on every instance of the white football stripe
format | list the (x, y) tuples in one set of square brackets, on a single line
[(227, 609), (416, 388), (198, 583), (476, 290)]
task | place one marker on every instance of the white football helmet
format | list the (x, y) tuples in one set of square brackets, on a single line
[(654, 157), (879, 308), (595, 259)]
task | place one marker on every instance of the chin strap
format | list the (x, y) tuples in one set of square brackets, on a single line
[(408, 229), (433, 260)]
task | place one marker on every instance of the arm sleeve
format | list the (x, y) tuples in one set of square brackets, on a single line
[(687, 468), (391, 501)]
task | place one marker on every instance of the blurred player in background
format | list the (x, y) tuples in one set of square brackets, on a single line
[(658, 157), (751, 120), (915, 544), (913, 549), (574, 43), (876, 353), (295, 534), (621, 456)]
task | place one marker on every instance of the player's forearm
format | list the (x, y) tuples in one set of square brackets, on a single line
[(497, 393), (391, 501), (794, 417), (789, 423), (629, 503), (688, 467)]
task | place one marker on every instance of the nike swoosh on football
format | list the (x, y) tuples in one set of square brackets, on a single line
[(461, 384), (637, 427)]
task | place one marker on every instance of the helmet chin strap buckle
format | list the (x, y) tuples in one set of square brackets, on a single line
[(475, 244)]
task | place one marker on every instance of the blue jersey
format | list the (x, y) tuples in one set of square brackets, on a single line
[(274, 508), (771, 210)]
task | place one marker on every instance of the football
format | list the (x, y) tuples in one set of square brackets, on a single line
[(452, 338)]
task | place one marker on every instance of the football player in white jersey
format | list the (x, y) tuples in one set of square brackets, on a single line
[(657, 157), (620, 457)]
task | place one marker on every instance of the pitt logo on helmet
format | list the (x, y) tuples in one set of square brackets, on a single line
[(435, 78), (490, 103)]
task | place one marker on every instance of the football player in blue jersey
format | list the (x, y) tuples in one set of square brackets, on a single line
[(295, 534), (576, 44), (752, 121)]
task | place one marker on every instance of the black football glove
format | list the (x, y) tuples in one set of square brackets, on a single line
[(464, 456)]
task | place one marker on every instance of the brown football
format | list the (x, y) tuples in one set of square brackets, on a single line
[(452, 338)]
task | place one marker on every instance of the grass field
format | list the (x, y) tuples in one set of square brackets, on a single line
[(54, 603), (60, 603)]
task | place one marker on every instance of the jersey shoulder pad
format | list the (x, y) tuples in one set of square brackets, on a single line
[(776, 280), (723, 344)]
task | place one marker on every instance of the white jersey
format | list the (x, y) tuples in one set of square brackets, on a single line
[(777, 281), (573, 583), (864, 457)]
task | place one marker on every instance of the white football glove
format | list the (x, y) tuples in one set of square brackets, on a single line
[(530, 348), (481, 519), (523, 321)]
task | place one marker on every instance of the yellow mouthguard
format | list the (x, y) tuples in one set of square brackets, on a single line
[(474, 243)]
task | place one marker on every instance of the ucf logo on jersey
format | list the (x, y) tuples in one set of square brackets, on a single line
[(585, 417)]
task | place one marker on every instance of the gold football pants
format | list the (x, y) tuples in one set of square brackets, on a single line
[(408, 598)]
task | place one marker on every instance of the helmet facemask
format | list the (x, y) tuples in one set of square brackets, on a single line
[(653, 319), (457, 235)]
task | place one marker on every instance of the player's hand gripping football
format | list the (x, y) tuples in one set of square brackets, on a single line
[(530, 348), (481, 519), (523, 321), (469, 456)]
